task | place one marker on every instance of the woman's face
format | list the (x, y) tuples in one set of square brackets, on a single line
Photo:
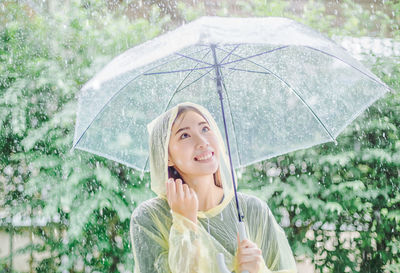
[(193, 148)]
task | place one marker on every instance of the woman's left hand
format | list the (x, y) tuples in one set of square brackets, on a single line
[(249, 256)]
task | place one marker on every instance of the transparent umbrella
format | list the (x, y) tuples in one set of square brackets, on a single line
[(273, 84)]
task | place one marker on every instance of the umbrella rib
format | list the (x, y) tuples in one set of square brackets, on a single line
[(297, 94), (155, 73), (177, 90), (251, 71), (177, 71), (194, 81), (193, 59), (307, 105), (249, 57), (234, 69), (229, 54), (333, 56)]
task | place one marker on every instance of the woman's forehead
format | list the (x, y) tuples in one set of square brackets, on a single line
[(188, 119)]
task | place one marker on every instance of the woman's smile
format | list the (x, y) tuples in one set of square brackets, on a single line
[(205, 157)]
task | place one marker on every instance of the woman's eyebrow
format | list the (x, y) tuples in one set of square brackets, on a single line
[(186, 128)]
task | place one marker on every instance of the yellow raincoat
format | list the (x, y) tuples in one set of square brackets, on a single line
[(164, 241)]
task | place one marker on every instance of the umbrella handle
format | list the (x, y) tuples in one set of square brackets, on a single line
[(220, 257)]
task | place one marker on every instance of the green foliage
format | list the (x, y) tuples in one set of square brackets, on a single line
[(265, 8), (86, 200), (79, 204)]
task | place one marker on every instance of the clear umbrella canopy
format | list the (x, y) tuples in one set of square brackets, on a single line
[(285, 87)]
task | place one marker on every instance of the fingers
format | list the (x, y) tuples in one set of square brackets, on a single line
[(170, 188), (186, 191), (252, 264), (179, 189), (250, 251), (246, 244), (249, 255), (176, 189)]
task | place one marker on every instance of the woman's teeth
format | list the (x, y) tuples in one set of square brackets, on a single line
[(204, 157)]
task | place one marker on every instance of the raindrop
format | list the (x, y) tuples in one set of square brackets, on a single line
[(8, 170)]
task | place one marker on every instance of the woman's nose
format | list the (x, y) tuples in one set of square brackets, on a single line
[(201, 141)]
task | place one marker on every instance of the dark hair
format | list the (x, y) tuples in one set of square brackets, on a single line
[(172, 172)]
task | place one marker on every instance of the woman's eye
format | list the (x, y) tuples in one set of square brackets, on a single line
[(184, 135), (206, 129)]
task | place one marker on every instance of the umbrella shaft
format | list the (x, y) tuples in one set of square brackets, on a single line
[(219, 90)]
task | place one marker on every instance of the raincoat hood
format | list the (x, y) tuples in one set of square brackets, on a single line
[(159, 134)]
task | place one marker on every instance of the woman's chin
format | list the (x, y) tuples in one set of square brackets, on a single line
[(207, 170)]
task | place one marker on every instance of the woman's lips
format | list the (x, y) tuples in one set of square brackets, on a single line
[(206, 156)]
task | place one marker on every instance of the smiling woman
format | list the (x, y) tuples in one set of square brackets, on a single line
[(193, 157), (183, 137), (194, 216)]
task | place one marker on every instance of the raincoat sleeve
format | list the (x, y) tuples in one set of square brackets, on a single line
[(184, 244), (190, 247), (271, 239), (184, 248), (149, 241)]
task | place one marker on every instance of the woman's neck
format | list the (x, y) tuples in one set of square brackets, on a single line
[(208, 194)]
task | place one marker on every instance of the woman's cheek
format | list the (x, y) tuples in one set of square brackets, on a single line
[(175, 151), (179, 162)]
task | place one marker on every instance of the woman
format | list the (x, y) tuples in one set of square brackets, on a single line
[(194, 216)]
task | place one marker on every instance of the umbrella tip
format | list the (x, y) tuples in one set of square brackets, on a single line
[(335, 141)]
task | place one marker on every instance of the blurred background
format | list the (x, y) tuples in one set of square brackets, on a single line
[(63, 211)]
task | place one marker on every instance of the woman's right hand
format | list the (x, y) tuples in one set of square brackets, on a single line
[(249, 256), (182, 199)]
